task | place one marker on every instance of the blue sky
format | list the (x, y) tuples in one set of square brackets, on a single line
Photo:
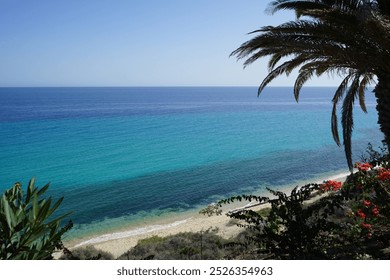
[(132, 43)]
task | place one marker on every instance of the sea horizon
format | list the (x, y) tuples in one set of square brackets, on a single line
[(125, 156)]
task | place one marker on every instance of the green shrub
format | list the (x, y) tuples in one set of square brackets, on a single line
[(87, 253), (290, 230), (27, 227), (151, 240), (183, 246), (350, 222)]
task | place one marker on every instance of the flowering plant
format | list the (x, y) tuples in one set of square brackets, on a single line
[(331, 185), (350, 221), (369, 192), (363, 166)]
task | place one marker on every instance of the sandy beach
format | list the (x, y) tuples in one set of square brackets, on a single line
[(119, 242)]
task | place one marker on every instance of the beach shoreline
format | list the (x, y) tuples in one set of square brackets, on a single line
[(120, 241)]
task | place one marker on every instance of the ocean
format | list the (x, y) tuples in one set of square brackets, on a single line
[(122, 156)]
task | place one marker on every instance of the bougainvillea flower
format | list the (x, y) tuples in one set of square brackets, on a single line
[(375, 211), (384, 176), (363, 166), (366, 226), (367, 203), (331, 185), (361, 214)]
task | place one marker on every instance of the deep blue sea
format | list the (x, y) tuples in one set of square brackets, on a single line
[(119, 155)]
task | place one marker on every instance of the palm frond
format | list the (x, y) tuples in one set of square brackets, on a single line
[(272, 75), (338, 94), (274, 60), (316, 66), (286, 68), (347, 119), (367, 79), (297, 6), (303, 77)]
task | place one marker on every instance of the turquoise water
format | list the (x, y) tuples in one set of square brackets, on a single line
[(120, 155)]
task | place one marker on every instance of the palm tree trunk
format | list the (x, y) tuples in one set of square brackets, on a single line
[(382, 94)]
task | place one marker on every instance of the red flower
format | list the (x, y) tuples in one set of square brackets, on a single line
[(380, 169), (361, 214), (375, 211), (366, 226), (331, 185), (367, 203), (363, 166), (384, 176)]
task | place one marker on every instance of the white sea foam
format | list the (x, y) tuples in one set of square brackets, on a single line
[(129, 233)]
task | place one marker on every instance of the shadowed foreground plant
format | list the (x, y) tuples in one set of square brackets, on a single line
[(27, 228), (349, 222), (292, 229)]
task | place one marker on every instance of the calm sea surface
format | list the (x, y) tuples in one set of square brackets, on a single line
[(119, 155)]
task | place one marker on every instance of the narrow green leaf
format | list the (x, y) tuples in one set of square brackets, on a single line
[(43, 189), (8, 213), (30, 191), (31, 183), (44, 208), (35, 207), (55, 206)]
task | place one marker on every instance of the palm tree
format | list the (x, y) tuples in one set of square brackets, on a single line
[(350, 38)]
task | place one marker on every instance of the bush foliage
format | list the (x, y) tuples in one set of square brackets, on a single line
[(183, 246), (349, 221), (27, 227), (87, 253)]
